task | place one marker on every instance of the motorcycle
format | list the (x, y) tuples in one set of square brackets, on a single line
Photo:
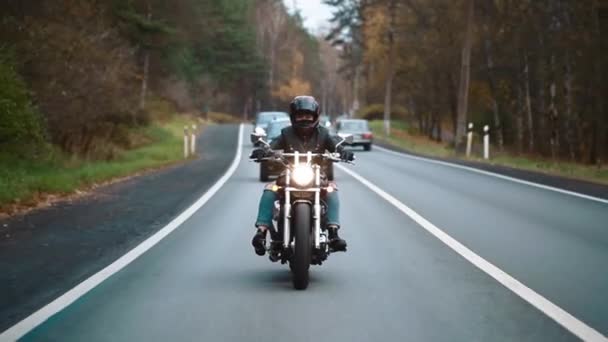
[(301, 238)]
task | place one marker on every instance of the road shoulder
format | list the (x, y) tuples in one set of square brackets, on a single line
[(567, 184), (48, 251)]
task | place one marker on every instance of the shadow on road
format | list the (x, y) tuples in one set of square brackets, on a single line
[(269, 280)]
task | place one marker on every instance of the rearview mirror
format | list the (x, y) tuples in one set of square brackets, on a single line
[(347, 139), (258, 138)]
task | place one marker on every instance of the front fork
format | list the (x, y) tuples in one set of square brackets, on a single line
[(316, 208), (287, 212)]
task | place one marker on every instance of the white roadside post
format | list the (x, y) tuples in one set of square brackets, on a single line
[(186, 147), (469, 139), (486, 142), (193, 140)]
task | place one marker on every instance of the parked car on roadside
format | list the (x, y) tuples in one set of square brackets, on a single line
[(362, 135)]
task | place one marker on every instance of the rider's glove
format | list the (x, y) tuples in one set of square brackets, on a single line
[(347, 155), (259, 153)]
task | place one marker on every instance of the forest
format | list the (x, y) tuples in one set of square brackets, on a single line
[(535, 71), (80, 74)]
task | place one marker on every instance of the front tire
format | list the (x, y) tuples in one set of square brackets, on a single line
[(300, 263)]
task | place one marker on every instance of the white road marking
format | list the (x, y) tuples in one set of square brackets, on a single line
[(488, 173), (556, 313), (29, 323)]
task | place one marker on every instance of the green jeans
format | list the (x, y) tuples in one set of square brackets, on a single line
[(269, 197)]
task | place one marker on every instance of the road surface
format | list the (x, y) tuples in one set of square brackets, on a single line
[(397, 281)]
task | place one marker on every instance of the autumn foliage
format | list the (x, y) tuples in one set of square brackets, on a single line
[(535, 71), (84, 73)]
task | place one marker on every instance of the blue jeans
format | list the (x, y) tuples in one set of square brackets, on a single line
[(269, 197)]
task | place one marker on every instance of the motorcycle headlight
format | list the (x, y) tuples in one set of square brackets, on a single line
[(303, 175)]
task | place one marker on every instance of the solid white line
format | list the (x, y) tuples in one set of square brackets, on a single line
[(497, 175), (559, 315), (26, 325)]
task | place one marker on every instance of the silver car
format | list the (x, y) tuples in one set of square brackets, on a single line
[(362, 135)]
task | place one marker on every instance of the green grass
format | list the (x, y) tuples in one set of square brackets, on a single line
[(23, 180), (401, 137), (560, 168)]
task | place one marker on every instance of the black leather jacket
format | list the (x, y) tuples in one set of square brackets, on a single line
[(320, 141)]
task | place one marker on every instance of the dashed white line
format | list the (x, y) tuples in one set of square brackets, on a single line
[(556, 313), (492, 174), (29, 323)]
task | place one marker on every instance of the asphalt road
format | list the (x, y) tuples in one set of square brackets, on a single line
[(396, 282), (46, 252)]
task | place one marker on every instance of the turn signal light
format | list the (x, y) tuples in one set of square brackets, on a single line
[(330, 189)]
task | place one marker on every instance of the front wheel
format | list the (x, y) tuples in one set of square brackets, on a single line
[(300, 263)]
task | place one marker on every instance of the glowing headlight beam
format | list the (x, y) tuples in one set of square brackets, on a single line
[(303, 175)]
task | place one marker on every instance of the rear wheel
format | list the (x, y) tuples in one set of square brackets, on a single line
[(264, 173), (300, 262), (367, 147)]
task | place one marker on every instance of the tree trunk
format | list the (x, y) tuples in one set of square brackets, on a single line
[(528, 103), (355, 105), (439, 130), (599, 85), (387, 103), (492, 85), (390, 73), (453, 97), (146, 69), (553, 113), (519, 121), (144, 81), (542, 102), (271, 71), (465, 74), (570, 119)]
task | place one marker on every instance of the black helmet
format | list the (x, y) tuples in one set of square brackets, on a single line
[(304, 105)]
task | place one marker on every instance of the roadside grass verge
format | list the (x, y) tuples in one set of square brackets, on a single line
[(402, 136), (26, 181)]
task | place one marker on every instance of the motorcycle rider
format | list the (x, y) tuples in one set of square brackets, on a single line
[(303, 135)]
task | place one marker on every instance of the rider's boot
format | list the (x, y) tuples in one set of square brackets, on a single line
[(335, 242), (259, 241)]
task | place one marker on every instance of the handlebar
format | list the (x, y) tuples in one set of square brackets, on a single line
[(282, 157)]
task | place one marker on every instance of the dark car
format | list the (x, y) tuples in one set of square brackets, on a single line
[(362, 135), (262, 120), (273, 131)]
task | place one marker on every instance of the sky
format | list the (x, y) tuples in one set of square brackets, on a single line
[(315, 14)]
